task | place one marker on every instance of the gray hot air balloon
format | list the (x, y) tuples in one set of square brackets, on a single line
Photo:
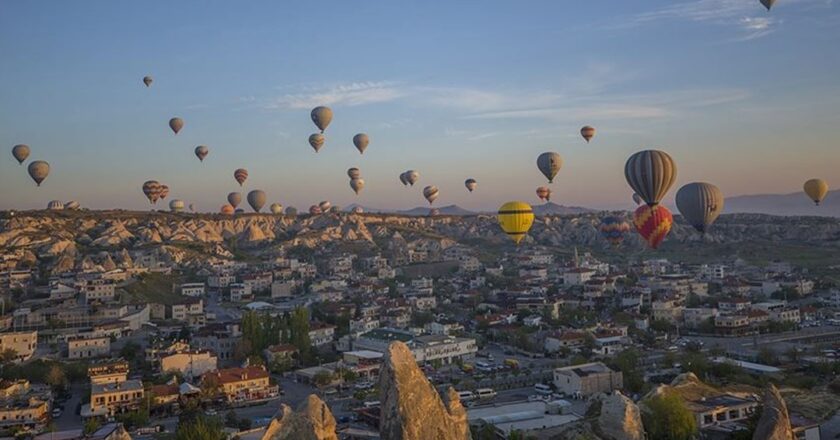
[(361, 142), (176, 205), (176, 124), (20, 152), (147, 80), (201, 152), (412, 177), (276, 208), (650, 173), (316, 140), (234, 199), (357, 185), (403, 179), (638, 200), (471, 184), (72, 204), (700, 203), (39, 170), (549, 164), (291, 211), (354, 173), (256, 199), (321, 116), (239, 211), (325, 206), (768, 3), (55, 205), (431, 193)]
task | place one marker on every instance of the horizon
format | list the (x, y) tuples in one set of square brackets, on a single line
[(734, 83)]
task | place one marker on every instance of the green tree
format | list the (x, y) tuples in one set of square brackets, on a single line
[(628, 363), (55, 377), (200, 428), (322, 378), (667, 418), (91, 425)]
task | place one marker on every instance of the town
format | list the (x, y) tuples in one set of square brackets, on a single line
[(102, 341)]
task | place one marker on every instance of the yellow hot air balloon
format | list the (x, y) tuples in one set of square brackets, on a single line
[(816, 189), (516, 219)]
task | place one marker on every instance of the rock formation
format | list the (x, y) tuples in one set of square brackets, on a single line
[(620, 418), (411, 407), (774, 423), (312, 421)]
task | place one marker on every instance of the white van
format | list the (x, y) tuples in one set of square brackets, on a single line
[(485, 393), (466, 396), (371, 404), (542, 389)]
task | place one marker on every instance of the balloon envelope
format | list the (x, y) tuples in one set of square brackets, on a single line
[(361, 142), (147, 80), (587, 132), (650, 173), (638, 200), (321, 116), (317, 141), (431, 193), (176, 124), (176, 205), (354, 173), (201, 152), (549, 164), (151, 188), (325, 206), (653, 223), (55, 205), (412, 177), (234, 199), (227, 210), (816, 189), (516, 219), (471, 184), (357, 185), (768, 3), (38, 171), (700, 204), (20, 152), (276, 208), (314, 210), (240, 175), (256, 199), (613, 229)]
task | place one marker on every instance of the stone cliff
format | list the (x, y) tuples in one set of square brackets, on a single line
[(312, 421), (411, 407), (774, 423), (620, 418)]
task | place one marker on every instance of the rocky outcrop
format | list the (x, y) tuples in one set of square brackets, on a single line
[(774, 423), (411, 408), (620, 418), (312, 421)]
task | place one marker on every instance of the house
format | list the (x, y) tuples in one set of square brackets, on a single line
[(221, 339), (718, 410), (22, 406), (281, 356), (577, 276), (243, 384), (587, 379), (185, 309), (192, 289), (108, 372), (190, 363), (321, 334), (108, 399), (22, 343), (558, 341), (241, 292), (84, 348)]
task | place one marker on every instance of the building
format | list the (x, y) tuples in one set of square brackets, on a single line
[(108, 372), (321, 334), (22, 343), (721, 409), (221, 339), (587, 379), (84, 348), (187, 308), (243, 384), (190, 363), (108, 399), (192, 289), (241, 292), (21, 406)]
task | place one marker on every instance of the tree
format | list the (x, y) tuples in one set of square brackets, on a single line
[(200, 428), (91, 425), (55, 377), (322, 378), (8, 355), (130, 351), (667, 418), (628, 363)]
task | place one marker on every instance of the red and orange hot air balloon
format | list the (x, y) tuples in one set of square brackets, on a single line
[(226, 209), (653, 223)]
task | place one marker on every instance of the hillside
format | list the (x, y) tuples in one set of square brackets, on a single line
[(794, 204)]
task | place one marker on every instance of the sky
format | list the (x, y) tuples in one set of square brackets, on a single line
[(740, 97)]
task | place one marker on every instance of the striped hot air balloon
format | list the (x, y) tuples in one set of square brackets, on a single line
[(314, 210), (587, 132), (516, 219), (653, 223), (613, 229), (164, 191), (240, 175), (544, 193), (650, 173), (151, 188)]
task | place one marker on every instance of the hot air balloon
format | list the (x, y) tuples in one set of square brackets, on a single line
[(147, 80), (638, 200), (176, 124), (471, 184), (234, 199), (256, 199), (72, 204), (314, 210), (549, 164), (516, 219), (325, 206), (700, 204), (650, 173), (238, 211), (816, 189), (587, 132), (291, 211), (240, 175), (20, 152), (276, 208), (316, 140), (176, 205), (321, 116), (358, 210), (544, 193), (403, 179), (361, 142), (38, 171), (613, 229), (357, 185), (434, 212), (192, 207), (55, 205), (227, 210), (431, 193), (201, 152), (164, 191), (412, 177), (768, 3), (653, 223), (354, 173), (151, 188)]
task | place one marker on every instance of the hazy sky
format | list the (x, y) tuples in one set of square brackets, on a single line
[(743, 98)]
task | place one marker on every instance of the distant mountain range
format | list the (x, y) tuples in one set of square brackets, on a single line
[(543, 209), (784, 204)]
